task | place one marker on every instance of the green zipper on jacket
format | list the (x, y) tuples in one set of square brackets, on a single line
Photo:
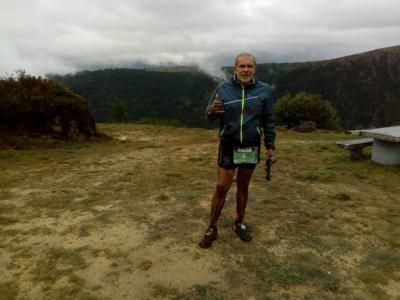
[(241, 117), (222, 131)]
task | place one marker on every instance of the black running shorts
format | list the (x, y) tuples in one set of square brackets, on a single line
[(225, 157)]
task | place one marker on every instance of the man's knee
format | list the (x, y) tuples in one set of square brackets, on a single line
[(243, 184), (222, 187)]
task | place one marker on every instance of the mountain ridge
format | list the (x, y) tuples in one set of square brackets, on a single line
[(364, 88)]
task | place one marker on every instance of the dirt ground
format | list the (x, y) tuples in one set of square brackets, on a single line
[(121, 219)]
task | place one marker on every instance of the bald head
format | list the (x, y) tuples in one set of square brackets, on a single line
[(245, 54), (245, 68)]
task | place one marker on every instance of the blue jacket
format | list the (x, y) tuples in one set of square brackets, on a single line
[(249, 111)]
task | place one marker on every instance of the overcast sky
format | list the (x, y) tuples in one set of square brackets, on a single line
[(59, 36)]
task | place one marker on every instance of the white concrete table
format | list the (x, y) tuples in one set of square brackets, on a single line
[(386, 145)]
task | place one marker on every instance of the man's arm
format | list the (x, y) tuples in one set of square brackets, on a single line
[(268, 123)]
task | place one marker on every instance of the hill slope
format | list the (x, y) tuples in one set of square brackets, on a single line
[(178, 96), (364, 88)]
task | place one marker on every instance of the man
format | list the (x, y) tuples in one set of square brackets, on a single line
[(244, 106)]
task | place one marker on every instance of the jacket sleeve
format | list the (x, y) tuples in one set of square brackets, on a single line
[(210, 116), (268, 121)]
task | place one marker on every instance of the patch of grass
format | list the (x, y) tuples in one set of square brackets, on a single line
[(385, 260), (322, 147), (200, 292), (57, 263), (174, 174), (264, 293), (145, 265), (372, 276), (71, 293), (84, 230), (286, 276), (377, 292), (162, 197), (7, 220), (16, 154), (10, 232), (316, 242), (360, 175), (341, 196), (105, 218), (40, 230), (377, 269), (162, 291), (315, 175), (314, 271), (302, 268), (8, 290), (234, 276), (318, 296), (51, 203), (197, 158), (64, 202)]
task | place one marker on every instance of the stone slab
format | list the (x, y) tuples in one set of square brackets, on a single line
[(389, 134)]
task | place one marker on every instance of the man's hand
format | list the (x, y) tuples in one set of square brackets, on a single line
[(269, 162), (217, 107), (271, 154)]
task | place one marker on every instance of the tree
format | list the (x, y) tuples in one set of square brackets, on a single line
[(119, 112), (293, 110)]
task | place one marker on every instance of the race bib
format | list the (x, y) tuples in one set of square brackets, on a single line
[(245, 155)]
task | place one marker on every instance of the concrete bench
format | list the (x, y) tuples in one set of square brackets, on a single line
[(355, 147), (386, 146)]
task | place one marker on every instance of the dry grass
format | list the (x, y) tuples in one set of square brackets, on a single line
[(121, 219)]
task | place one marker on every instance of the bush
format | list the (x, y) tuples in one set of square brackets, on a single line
[(39, 106), (303, 107)]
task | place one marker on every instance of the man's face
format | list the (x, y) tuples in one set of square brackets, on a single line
[(245, 69)]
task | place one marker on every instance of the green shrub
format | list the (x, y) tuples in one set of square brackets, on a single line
[(39, 106), (303, 107)]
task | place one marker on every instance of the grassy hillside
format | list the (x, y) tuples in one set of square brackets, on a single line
[(122, 219)]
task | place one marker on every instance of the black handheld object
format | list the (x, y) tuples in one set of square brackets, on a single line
[(268, 164)]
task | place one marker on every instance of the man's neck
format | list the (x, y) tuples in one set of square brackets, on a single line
[(252, 81)]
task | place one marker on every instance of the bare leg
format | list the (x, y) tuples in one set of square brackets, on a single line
[(225, 178), (242, 181)]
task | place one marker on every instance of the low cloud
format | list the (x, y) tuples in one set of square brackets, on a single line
[(57, 36)]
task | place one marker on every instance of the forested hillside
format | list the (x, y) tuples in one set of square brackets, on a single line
[(180, 96), (364, 88)]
